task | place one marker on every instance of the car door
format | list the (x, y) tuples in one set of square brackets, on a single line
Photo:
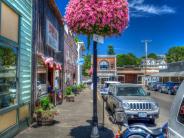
[(176, 118)]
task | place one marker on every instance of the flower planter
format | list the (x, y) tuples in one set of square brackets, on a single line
[(70, 98)]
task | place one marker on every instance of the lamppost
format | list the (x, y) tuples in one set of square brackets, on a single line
[(146, 57), (97, 17), (95, 133)]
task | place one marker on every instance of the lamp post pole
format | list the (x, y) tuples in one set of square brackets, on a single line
[(95, 132), (146, 57)]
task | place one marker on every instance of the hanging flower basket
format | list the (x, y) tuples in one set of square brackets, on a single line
[(101, 17)]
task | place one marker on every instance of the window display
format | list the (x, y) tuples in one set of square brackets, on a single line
[(8, 84)]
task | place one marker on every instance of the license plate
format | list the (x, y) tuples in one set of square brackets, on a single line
[(142, 114)]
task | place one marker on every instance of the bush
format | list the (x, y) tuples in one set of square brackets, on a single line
[(68, 90)]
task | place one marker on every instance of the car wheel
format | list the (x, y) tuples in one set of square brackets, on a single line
[(169, 92), (160, 90), (107, 107), (152, 121)]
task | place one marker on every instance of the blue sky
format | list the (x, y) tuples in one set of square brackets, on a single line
[(161, 21)]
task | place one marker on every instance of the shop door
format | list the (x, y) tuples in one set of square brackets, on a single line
[(131, 78)]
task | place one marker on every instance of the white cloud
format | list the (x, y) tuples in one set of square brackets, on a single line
[(139, 9)]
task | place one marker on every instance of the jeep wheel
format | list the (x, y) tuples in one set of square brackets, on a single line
[(152, 121)]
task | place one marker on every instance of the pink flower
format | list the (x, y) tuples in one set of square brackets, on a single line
[(97, 16)]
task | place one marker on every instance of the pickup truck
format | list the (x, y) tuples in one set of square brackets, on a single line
[(130, 102)]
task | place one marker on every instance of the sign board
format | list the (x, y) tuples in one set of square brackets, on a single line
[(99, 39), (80, 61), (52, 36)]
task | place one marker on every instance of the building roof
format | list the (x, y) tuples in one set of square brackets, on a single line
[(56, 11), (107, 56)]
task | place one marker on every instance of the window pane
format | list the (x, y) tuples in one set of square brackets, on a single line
[(181, 113), (8, 87), (9, 23)]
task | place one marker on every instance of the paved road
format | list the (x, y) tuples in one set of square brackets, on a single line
[(165, 102)]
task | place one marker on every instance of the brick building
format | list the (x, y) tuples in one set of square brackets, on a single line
[(106, 68)]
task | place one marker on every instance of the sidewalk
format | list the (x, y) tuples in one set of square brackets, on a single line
[(73, 121)]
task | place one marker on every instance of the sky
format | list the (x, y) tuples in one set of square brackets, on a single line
[(161, 21)]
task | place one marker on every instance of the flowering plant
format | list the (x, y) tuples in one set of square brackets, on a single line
[(102, 17)]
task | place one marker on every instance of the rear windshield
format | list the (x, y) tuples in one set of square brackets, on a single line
[(181, 113), (131, 91)]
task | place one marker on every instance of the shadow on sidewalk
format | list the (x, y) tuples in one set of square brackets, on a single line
[(85, 131)]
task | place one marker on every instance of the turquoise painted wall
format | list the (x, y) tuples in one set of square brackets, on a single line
[(24, 7)]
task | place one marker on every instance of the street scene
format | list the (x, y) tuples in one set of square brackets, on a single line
[(91, 69)]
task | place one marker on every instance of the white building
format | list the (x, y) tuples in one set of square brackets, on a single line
[(80, 61)]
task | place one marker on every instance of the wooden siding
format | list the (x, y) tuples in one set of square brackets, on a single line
[(24, 8)]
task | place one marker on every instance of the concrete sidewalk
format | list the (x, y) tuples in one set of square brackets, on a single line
[(73, 121)]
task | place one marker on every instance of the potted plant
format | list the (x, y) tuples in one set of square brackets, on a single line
[(45, 112), (69, 96)]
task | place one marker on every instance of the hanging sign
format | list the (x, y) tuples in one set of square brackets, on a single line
[(98, 38), (52, 37)]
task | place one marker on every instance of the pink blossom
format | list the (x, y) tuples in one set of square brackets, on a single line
[(103, 17)]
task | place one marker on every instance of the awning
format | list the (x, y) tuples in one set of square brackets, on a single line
[(166, 74), (49, 61), (169, 74)]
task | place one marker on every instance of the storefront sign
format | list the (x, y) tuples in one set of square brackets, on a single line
[(52, 37)]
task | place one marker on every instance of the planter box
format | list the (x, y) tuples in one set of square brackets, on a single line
[(70, 98)]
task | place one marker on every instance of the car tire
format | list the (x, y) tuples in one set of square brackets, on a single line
[(160, 90), (152, 121)]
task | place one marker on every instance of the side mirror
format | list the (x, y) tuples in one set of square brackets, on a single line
[(148, 93)]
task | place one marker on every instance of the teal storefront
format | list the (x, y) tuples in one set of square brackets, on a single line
[(15, 65)]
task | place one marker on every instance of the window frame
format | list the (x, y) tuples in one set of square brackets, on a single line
[(14, 45), (5, 40)]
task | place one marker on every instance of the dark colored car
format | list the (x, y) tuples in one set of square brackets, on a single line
[(168, 87), (156, 86)]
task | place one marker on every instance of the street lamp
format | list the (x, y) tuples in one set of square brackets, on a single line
[(146, 56)]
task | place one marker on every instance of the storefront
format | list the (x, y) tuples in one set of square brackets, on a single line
[(48, 45), (15, 65)]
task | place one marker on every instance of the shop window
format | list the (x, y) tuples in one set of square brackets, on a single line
[(8, 85), (104, 65), (9, 23)]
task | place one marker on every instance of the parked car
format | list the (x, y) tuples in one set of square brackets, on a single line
[(176, 118), (150, 85), (105, 88), (168, 87), (156, 86), (130, 102)]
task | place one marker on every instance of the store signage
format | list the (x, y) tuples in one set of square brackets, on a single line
[(80, 61), (98, 38), (52, 36)]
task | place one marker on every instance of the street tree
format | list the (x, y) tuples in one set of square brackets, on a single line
[(110, 50), (87, 65), (152, 55), (127, 59), (175, 54)]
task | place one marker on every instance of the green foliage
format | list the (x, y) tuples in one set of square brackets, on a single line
[(76, 39), (7, 57), (110, 50), (127, 59), (175, 54), (68, 90), (45, 103), (87, 65), (152, 55)]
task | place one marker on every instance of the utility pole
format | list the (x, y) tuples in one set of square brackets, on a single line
[(146, 56)]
